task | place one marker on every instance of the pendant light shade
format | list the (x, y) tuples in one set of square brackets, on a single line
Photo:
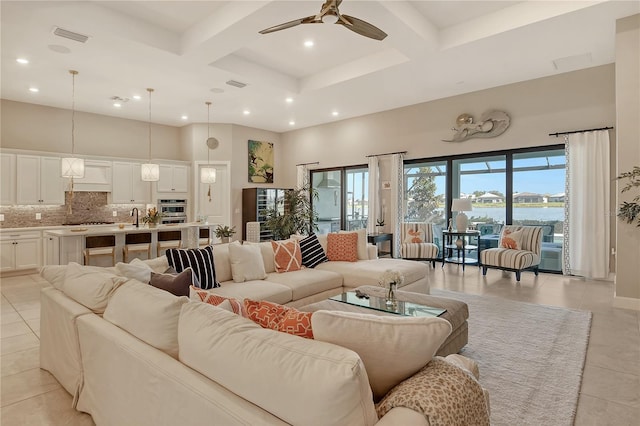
[(72, 167), (150, 172), (208, 174)]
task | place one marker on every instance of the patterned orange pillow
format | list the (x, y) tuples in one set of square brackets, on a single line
[(511, 239), (280, 318), (414, 236), (215, 300), (342, 247), (287, 255)]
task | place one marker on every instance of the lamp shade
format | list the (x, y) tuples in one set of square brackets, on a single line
[(150, 172), (72, 167), (461, 205), (208, 175)]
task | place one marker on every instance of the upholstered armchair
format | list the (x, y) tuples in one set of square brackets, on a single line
[(417, 242), (519, 248)]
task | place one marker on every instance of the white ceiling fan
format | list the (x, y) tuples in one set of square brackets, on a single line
[(330, 14)]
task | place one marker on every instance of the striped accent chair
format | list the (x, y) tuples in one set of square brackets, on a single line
[(519, 248), (417, 242)]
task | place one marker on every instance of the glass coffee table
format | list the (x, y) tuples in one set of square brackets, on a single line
[(376, 303)]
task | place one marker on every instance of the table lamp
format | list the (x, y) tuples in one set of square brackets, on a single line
[(461, 205)]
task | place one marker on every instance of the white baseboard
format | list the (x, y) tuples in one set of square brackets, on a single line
[(626, 303)]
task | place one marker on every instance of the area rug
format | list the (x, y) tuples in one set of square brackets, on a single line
[(531, 357)]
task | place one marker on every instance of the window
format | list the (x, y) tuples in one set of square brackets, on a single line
[(426, 189)]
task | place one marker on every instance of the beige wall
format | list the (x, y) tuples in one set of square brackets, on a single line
[(627, 293), (42, 128)]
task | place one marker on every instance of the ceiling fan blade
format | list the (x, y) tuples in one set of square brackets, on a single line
[(361, 27), (290, 24)]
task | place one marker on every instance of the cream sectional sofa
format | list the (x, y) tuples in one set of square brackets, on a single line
[(130, 353)]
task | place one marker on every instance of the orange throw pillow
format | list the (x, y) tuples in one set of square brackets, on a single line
[(215, 300), (511, 239), (342, 247), (287, 255), (280, 318)]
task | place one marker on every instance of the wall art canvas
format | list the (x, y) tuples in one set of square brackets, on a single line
[(260, 162)]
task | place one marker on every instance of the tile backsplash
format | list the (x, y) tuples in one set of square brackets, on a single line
[(86, 207)]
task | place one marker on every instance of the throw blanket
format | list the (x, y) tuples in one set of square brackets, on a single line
[(444, 393)]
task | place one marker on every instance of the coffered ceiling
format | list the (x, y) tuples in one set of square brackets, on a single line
[(188, 51)]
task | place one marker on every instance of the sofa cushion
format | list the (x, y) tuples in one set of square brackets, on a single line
[(221, 262), (279, 317), (200, 260), (312, 252), (267, 255), (246, 262), (159, 264), (342, 247), (307, 282), (90, 286), (362, 242), (286, 255), (367, 272), (178, 284), (135, 270), (148, 313), (259, 290), (235, 305), (392, 348), (301, 381)]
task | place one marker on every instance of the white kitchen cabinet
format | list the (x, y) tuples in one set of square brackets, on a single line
[(173, 179), (20, 250), (128, 186), (51, 246), (8, 183), (39, 180)]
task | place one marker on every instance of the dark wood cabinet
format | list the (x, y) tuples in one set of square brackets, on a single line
[(256, 203)]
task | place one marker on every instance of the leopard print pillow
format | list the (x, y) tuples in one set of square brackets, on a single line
[(444, 393)]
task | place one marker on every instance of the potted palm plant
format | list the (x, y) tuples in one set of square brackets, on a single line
[(293, 214), (224, 233)]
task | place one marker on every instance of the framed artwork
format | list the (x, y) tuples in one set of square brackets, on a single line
[(260, 162)]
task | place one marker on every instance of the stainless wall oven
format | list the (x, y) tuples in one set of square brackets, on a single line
[(173, 210)]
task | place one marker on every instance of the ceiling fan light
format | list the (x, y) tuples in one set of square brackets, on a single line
[(330, 18), (150, 172), (72, 167), (208, 175)]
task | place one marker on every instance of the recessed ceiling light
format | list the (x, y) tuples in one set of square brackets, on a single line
[(137, 97), (308, 43), (246, 112), (289, 100), (34, 89), (184, 117), (334, 113), (22, 61), (117, 104)]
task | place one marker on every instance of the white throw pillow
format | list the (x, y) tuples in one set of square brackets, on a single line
[(246, 262), (392, 348), (159, 264), (148, 313), (362, 243), (90, 286), (135, 270)]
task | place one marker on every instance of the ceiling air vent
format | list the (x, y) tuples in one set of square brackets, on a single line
[(238, 84), (61, 32)]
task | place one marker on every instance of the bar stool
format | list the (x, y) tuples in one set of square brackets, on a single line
[(205, 237), (100, 245), (167, 240), (136, 243)]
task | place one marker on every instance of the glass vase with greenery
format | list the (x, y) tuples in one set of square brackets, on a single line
[(293, 213), (224, 232)]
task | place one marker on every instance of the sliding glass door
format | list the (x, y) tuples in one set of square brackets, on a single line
[(342, 198)]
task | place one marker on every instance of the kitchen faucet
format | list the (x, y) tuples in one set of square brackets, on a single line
[(136, 216)]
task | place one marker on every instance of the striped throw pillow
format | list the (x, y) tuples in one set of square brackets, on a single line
[(200, 260), (312, 252)]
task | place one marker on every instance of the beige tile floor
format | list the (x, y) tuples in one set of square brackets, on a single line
[(610, 393)]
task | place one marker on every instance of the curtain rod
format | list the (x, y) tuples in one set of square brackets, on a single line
[(308, 164), (388, 153), (579, 131)]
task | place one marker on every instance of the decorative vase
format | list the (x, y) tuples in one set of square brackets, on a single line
[(152, 224), (225, 239), (459, 243), (391, 294)]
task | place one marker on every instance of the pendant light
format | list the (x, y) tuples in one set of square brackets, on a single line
[(208, 174), (150, 172), (71, 167)]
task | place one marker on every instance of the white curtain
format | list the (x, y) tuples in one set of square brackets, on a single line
[(397, 200), (374, 195), (302, 176), (587, 216)]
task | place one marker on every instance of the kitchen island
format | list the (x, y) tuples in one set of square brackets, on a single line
[(67, 244)]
